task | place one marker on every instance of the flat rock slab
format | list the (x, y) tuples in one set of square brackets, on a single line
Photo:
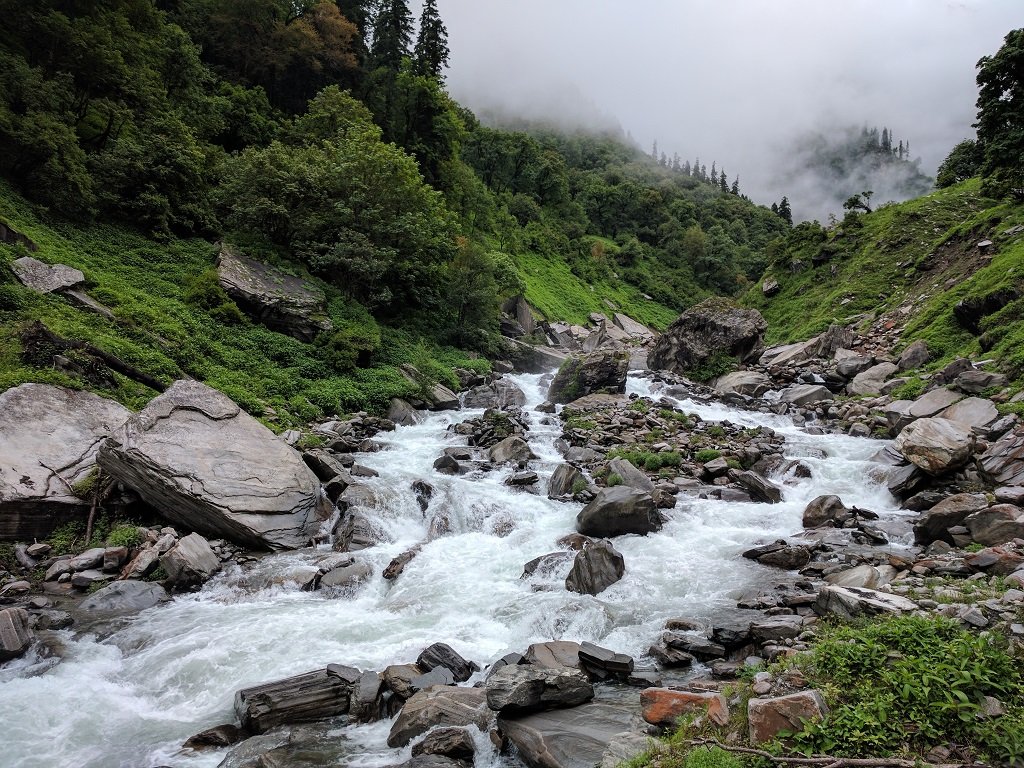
[(768, 717), (194, 455), (123, 597), (49, 437), (46, 278), (568, 738), (439, 705)]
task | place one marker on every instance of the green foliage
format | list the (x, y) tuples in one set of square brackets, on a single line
[(124, 535), (613, 479), (205, 291), (578, 485), (648, 460), (8, 562), (1001, 116), (908, 683), (911, 389), (706, 454), (67, 538), (962, 163), (718, 364)]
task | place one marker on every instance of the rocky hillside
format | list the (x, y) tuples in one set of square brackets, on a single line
[(945, 269)]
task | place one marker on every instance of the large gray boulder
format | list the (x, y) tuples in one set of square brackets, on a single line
[(518, 689), (279, 301), (15, 634), (500, 393), (870, 382), (123, 597), (630, 475), (596, 567), (714, 326), (1003, 462), (512, 449), (851, 602), (936, 445), (750, 383), (617, 511), (190, 562), (48, 441), (805, 394), (998, 524), (563, 480), (951, 511), (603, 370), (204, 463), (439, 705), (977, 413), (46, 278)]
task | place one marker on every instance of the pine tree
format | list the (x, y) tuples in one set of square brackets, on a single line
[(696, 169), (431, 52), (886, 140), (775, 208), (675, 161), (736, 186), (686, 168), (900, 151), (703, 173), (664, 160), (714, 174), (784, 211), (654, 150), (392, 35), (723, 182)]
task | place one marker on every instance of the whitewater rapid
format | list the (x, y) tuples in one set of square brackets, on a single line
[(131, 699)]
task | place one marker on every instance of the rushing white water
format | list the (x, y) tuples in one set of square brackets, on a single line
[(131, 699)]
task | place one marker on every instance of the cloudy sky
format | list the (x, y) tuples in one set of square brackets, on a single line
[(732, 80)]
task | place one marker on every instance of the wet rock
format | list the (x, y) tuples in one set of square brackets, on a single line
[(522, 479), (780, 554), (698, 646), (714, 326), (448, 465), (749, 383), (511, 449), (601, 663), (595, 568), (345, 575), (826, 510), (663, 706), (603, 370), (144, 563), (123, 597), (402, 412), (564, 479), (850, 602), (190, 562), (768, 717), (443, 655), (399, 679), (935, 445), (440, 706), (805, 394), (631, 476), (935, 523), (90, 558), (453, 743), (617, 511), (500, 393), (554, 654), (760, 488), (215, 738), (397, 565), (16, 636), (365, 704), (203, 462), (517, 690)]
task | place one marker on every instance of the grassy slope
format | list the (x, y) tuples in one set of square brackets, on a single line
[(918, 254), (158, 328)]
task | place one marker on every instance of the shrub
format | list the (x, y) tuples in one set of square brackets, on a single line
[(716, 365), (706, 454), (124, 535), (614, 479)]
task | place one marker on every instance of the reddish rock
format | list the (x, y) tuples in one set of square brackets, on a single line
[(767, 717), (995, 561), (663, 706)]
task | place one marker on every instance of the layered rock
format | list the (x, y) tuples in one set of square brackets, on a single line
[(935, 445), (49, 437), (601, 371), (619, 510), (596, 567), (201, 461), (710, 328)]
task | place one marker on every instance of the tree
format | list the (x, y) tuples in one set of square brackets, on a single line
[(431, 52), (392, 35), (1000, 123), (859, 202), (723, 181), (963, 162), (736, 186), (785, 212)]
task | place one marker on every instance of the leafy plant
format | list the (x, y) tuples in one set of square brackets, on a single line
[(706, 454)]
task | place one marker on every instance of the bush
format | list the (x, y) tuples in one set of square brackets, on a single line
[(614, 479), (707, 454), (124, 535)]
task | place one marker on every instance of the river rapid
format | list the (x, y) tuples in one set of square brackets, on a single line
[(131, 698)]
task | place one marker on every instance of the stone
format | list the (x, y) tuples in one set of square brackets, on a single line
[(16, 636), (563, 480), (749, 383), (788, 354), (595, 568), (402, 412), (443, 655), (995, 561), (279, 301), (914, 356), (215, 738), (976, 382), (975, 412), (601, 371), (439, 706), (522, 479), (204, 463), (805, 394), (143, 564), (826, 510), (853, 364), (775, 629), (934, 524), (302, 698), (1003, 462), (190, 563), (46, 278), (770, 287), (713, 327), (863, 575), (595, 659), (780, 555), (500, 393), (398, 678), (568, 738), (869, 382), (698, 646), (454, 743), (631, 326), (932, 403), (663, 706), (760, 488), (997, 524), (631, 476), (519, 689), (554, 654), (512, 449), (48, 441), (617, 511), (345, 575), (124, 597), (935, 445), (768, 717), (850, 602), (90, 558)]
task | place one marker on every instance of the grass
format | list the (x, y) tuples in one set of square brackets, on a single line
[(171, 320), (648, 460)]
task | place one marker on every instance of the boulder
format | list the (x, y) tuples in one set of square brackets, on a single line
[(554, 654), (601, 371), (518, 689), (279, 301), (789, 354), (439, 705), (826, 510), (805, 394), (935, 445), (443, 655), (631, 326), (124, 597), (776, 629), (596, 567), (568, 738), (1003, 462), (997, 524), (750, 383), (215, 738), (976, 382), (631, 476), (48, 441), (435, 397), (664, 706), (852, 364), (760, 488), (933, 402), (934, 524), (500, 393), (767, 718), (453, 743), (46, 278), (302, 698), (715, 326), (914, 356), (190, 562), (563, 480), (976, 413), (850, 602), (617, 511), (347, 573), (601, 662), (770, 287), (512, 449), (780, 555), (15, 634), (204, 463), (870, 382), (401, 412)]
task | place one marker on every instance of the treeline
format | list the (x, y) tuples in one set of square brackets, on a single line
[(320, 132)]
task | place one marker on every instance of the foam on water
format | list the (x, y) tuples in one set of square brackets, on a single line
[(133, 698)]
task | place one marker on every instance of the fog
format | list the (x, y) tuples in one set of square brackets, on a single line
[(733, 81)]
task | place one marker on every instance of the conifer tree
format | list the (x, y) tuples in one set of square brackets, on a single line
[(784, 211), (654, 150), (723, 182), (736, 186), (675, 161), (714, 174), (431, 52), (392, 35), (686, 168)]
